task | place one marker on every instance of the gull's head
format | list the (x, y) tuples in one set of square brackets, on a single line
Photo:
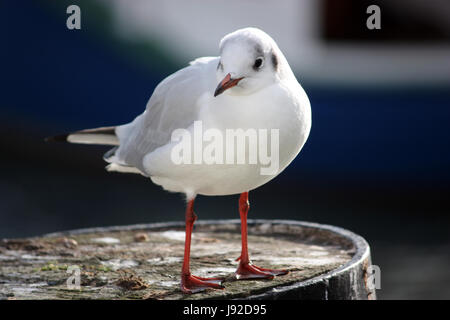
[(249, 61)]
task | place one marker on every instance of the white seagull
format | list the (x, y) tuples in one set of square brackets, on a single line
[(249, 86)]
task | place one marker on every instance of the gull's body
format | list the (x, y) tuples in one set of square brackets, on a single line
[(187, 96), (252, 95)]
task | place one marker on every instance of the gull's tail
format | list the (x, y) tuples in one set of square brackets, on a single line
[(104, 136)]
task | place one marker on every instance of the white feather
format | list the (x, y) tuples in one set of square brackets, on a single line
[(93, 138)]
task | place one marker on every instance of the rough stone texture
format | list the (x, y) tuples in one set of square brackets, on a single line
[(144, 262)]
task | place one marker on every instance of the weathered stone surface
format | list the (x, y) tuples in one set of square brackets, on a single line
[(144, 262)]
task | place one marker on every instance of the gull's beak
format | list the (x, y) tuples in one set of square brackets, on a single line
[(226, 83)]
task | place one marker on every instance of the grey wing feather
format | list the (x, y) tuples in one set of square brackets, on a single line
[(173, 105)]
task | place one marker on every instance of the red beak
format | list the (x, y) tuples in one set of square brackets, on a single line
[(226, 83)]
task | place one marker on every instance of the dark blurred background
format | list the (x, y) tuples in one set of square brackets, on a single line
[(377, 161)]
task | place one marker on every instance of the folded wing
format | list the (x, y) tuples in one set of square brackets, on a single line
[(173, 105)]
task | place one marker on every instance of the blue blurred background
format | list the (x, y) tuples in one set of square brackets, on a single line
[(377, 161)]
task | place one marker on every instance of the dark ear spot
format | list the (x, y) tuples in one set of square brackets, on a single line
[(258, 50), (274, 61)]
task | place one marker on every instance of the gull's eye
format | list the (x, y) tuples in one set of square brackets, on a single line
[(258, 63)]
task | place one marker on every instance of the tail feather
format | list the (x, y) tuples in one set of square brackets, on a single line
[(103, 136), (124, 169)]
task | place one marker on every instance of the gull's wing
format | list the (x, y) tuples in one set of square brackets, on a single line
[(173, 105)]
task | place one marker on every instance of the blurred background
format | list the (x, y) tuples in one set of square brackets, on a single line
[(377, 161)]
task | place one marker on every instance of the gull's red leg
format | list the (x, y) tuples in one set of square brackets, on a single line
[(247, 270), (189, 282)]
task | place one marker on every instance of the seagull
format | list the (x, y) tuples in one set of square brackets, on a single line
[(250, 86)]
